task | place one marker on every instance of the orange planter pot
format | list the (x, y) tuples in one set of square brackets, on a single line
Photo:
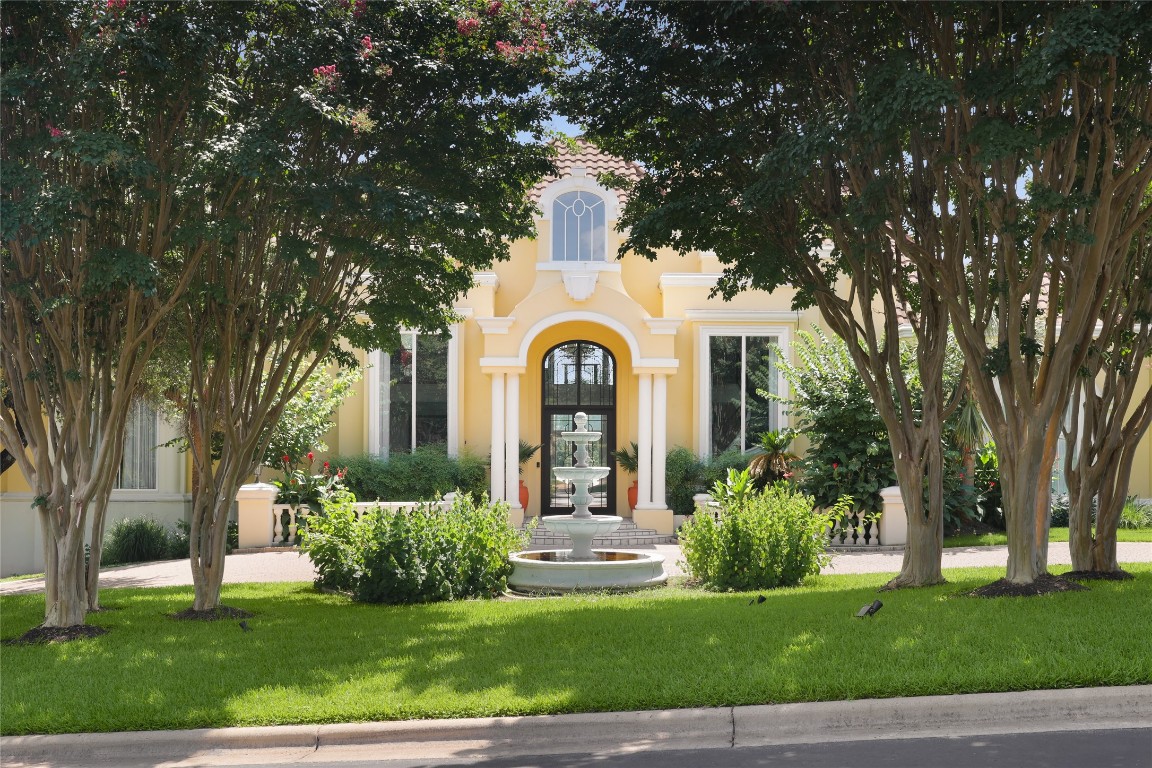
[(523, 495), (633, 493)]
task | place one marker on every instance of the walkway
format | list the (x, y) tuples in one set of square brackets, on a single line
[(290, 566)]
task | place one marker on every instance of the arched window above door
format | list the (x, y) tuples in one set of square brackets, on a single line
[(579, 374), (579, 227)]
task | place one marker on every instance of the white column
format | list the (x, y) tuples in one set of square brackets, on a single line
[(498, 478), (659, 437), (644, 443), (512, 439)]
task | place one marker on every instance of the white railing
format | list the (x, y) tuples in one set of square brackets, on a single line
[(264, 523), (855, 530)]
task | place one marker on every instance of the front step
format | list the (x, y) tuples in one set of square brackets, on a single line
[(627, 535)]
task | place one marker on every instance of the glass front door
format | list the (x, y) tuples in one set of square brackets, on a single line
[(578, 376)]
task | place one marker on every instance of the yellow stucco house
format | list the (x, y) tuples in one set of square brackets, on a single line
[(560, 327)]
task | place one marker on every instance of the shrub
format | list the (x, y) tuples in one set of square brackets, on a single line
[(684, 477), (987, 486), (426, 474), (766, 539), (137, 540), (849, 452), (418, 555), (1135, 514)]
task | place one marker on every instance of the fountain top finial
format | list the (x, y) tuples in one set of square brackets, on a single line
[(580, 420)]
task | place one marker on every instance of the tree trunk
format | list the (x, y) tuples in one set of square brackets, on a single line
[(1025, 480), (95, 553), (925, 547), (65, 598)]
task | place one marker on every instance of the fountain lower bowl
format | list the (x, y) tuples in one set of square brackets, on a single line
[(551, 571)]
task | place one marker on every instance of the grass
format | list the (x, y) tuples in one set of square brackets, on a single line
[(22, 576), (1055, 534), (316, 658)]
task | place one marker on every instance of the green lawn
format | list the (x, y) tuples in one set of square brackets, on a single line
[(1055, 534), (314, 658)]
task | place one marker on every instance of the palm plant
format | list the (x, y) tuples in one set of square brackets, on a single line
[(773, 463)]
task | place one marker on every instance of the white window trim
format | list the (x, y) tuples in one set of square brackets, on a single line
[(378, 362), (783, 334), (580, 184)]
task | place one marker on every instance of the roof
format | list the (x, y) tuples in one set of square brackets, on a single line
[(580, 153)]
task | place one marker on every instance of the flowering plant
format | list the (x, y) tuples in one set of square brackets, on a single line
[(300, 486)]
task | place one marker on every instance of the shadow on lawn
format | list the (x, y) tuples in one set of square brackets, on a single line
[(322, 658)]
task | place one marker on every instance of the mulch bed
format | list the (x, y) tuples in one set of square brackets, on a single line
[(1120, 575), (1045, 584), (48, 635), (220, 613)]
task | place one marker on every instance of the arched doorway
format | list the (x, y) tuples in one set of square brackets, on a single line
[(577, 376)]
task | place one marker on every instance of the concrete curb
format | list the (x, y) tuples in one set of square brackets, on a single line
[(618, 732)]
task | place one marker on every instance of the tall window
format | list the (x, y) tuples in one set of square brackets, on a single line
[(578, 227), (414, 394), (138, 465), (742, 375)]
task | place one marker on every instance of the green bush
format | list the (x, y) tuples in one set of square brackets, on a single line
[(1135, 514), (137, 540), (418, 555), (684, 477), (761, 540), (426, 474)]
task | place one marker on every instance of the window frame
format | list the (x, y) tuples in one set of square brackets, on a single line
[(783, 336), (379, 362), (136, 424)]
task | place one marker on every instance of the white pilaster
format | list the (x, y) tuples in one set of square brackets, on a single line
[(644, 442), (659, 437), (498, 419), (512, 439)]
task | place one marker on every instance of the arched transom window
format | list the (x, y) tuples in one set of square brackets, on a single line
[(578, 227)]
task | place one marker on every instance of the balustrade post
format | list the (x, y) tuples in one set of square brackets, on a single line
[(254, 514)]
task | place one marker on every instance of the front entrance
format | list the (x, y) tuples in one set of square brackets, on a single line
[(578, 376)]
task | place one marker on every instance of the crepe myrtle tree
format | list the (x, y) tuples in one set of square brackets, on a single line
[(1109, 414), (384, 144), (266, 183), (1035, 160), (982, 165), (111, 117), (730, 108)]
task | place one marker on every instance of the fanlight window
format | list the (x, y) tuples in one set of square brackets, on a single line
[(578, 227)]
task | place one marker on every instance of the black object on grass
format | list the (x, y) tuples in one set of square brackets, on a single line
[(757, 600), (869, 610), (244, 626)]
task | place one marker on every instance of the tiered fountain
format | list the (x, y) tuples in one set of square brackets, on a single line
[(582, 567)]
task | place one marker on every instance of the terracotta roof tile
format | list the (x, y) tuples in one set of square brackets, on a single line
[(592, 160)]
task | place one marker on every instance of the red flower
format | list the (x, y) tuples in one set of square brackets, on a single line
[(285, 459), (309, 455), (325, 465), (494, 7), (467, 26), (53, 130), (835, 465)]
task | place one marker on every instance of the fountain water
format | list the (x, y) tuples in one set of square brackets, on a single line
[(582, 567)]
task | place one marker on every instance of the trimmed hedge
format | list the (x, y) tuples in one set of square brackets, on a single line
[(426, 474)]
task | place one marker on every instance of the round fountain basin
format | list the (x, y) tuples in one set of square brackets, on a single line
[(552, 572)]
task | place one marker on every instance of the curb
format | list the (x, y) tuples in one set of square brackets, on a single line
[(604, 733)]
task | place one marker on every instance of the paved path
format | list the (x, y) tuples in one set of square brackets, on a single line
[(290, 566)]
